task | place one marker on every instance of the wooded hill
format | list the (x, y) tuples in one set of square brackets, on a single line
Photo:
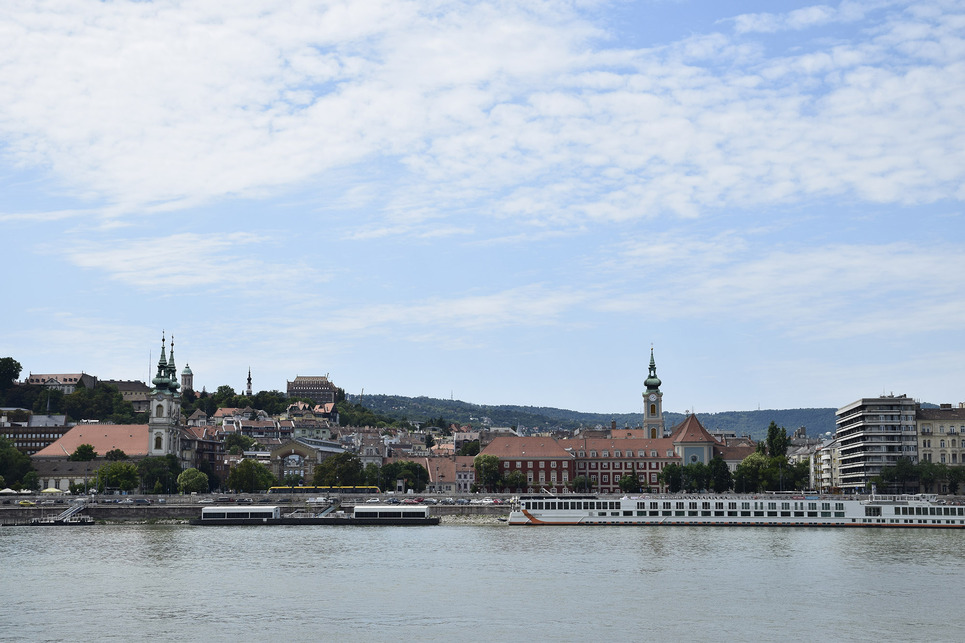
[(427, 409)]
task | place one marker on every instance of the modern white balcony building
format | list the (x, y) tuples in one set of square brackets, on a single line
[(873, 433)]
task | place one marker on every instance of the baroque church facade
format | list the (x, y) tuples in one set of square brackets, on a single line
[(165, 407)]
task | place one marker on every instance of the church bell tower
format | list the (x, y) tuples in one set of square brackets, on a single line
[(653, 403), (165, 407)]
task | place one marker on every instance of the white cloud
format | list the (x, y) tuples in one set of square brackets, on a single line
[(186, 262), (831, 292), (513, 112)]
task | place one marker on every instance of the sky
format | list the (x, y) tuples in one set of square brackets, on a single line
[(497, 202)]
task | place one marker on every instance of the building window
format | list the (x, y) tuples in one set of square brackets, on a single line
[(542, 464), (506, 464), (553, 464), (606, 454), (653, 454), (616, 454)]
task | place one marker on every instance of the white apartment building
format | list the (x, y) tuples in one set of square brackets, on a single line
[(873, 433)]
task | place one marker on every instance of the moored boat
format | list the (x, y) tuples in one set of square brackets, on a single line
[(361, 515), (777, 510)]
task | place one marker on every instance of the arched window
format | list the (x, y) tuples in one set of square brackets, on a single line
[(653, 434), (653, 409), (159, 411), (158, 441)]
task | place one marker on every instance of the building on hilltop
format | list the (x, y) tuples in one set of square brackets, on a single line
[(134, 391), (318, 389), (64, 382), (187, 379)]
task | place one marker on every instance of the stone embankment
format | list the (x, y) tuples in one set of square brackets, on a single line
[(182, 512)]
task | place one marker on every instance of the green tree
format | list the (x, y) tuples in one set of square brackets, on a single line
[(292, 480), (695, 477), (582, 484), (777, 440), (487, 471), (238, 443), (516, 480), (371, 475), (720, 476), (48, 400), (672, 477), (9, 372), (414, 476), (14, 464), (749, 476), (114, 455), (192, 481), (250, 476), (340, 470), (630, 483), (899, 475), (469, 448), (83, 453), (928, 474), (30, 481), (955, 477), (164, 469), (116, 475)]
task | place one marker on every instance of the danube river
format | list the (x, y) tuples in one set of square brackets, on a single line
[(479, 583)]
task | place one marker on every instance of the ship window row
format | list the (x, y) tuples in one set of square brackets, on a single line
[(930, 511), (595, 505)]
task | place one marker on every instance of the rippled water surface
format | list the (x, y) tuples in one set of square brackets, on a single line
[(478, 583)]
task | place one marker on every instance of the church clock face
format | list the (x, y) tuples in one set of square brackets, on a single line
[(653, 397)]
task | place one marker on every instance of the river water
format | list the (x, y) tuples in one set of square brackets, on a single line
[(479, 583)]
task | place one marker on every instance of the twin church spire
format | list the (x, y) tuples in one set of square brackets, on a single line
[(166, 380)]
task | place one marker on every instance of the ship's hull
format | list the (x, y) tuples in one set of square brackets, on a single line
[(739, 511)]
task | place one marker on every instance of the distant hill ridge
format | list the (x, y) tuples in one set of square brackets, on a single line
[(752, 423)]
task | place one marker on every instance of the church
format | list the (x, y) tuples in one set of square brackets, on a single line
[(161, 436)]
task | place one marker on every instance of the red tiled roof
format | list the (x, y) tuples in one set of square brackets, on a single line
[(691, 430), (526, 447), (660, 445), (132, 439)]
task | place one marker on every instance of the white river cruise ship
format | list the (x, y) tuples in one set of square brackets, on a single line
[(765, 510)]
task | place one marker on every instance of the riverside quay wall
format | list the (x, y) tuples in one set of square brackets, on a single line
[(174, 511)]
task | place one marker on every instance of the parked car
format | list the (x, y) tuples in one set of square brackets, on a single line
[(410, 501), (141, 501), (27, 503), (206, 501), (448, 501), (393, 501), (430, 501), (372, 501), (462, 501)]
